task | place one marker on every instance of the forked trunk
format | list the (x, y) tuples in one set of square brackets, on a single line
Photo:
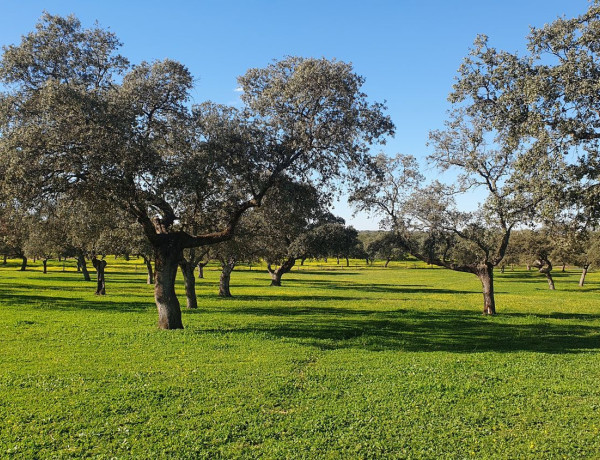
[(276, 274), (276, 277), (100, 265), (168, 255), (225, 278), (583, 274), (201, 266), (23, 263), (189, 282), (485, 273), (83, 267), (545, 266)]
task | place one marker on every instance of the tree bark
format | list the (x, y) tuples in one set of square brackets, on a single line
[(100, 265), (201, 266), (545, 266), (5, 257), (23, 263), (387, 262), (583, 275), (347, 261), (148, 262), (564, 266), (45, 262), (227, 267), (485, 273), (189, 281), (276, 274), (168, 254), (83, 266)]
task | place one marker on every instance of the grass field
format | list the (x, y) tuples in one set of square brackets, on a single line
[(337, 363)]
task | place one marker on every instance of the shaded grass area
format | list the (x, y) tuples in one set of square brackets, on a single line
[(346, 363)]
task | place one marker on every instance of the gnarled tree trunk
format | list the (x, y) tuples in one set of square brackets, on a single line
[(100, 265), (545, 266), (201, 266), (168, 254), (227, 267), (276, 274), (485, 273), (189, 281)]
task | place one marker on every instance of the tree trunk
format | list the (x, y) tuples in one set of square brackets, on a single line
[(564, 266), (485, 273), (528, 267), (276, 274), (148, 262), (387, 262), (226, 269), (550, 280), (168, 255), (5, 257), (23, 263), (45, 262), (502, 268), (583, 274), (189, 281), (338, 259), (83, 266), (545, 266), (302, 261), (100, 265), (347, 261), (201, 266)]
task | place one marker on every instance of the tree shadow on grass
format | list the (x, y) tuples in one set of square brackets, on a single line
[(62, 303), (387, 288), (455, 331)]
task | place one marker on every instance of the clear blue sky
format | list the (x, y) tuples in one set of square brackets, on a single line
[(408, 50)]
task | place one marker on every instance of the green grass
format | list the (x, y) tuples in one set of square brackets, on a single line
[(337, 363)]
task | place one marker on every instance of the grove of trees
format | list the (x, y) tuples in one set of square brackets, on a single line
[(100, 156)]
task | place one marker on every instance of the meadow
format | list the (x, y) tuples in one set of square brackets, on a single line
[(337, 363)]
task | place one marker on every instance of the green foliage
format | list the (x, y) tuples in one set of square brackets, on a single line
[(344, 363)]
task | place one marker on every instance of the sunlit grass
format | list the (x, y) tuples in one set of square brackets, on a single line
[(339, 362)]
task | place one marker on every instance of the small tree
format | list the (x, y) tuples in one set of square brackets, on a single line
[(427, 222), (386, 247)]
